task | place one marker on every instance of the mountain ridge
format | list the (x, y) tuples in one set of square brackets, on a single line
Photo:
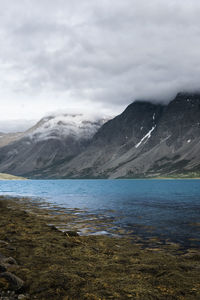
[(146, 140), (168, 147), (48, 142)]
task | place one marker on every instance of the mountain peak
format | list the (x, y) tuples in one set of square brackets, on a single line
[(187, 96), (62, 125), (146, 139)]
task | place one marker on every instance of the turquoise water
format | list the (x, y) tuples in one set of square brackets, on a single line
[(169, 207)]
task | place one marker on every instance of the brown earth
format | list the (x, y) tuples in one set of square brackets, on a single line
[(59, 265)]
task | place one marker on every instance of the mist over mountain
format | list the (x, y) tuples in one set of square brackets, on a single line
[(146, 140), (95, 55), (53, 140)]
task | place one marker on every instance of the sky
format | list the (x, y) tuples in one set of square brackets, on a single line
[(94, 56)]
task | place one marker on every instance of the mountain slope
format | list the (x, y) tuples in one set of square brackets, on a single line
[(145, 140), (4, 176), (53, 140), (8, 138)]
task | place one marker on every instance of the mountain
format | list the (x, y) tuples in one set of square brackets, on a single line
[(54, 140), (8, 138), (146, 140)]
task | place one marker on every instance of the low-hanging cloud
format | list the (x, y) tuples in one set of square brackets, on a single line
[(103, 53)]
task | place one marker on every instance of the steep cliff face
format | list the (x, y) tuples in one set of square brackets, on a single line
[(145, 140)]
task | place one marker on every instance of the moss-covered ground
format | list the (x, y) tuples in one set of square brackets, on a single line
[(57, 265)]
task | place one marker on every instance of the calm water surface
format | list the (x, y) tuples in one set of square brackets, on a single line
[(165, 208)]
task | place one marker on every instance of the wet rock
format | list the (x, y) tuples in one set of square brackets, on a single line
[(53, 228), (14, 283), (71, 233)]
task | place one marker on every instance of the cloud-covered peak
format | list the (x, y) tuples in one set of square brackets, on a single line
[(76, 126), (98, 54)]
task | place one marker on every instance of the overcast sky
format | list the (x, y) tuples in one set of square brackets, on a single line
[(94, 55)]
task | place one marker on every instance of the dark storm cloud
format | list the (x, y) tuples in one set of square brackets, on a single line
[(108, 52)]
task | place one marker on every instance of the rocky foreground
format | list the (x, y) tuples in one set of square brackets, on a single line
[(37, 261)]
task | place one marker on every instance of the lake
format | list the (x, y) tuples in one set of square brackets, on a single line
[(168, 209)]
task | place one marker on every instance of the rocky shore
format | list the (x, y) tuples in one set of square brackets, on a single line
[(37, 261)]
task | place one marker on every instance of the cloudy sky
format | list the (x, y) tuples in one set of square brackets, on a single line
[(94, 55)]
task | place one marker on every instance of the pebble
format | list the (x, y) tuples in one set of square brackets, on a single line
[(22, 297), (8, 295)]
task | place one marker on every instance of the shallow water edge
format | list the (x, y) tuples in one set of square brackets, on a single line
[(54, 264)]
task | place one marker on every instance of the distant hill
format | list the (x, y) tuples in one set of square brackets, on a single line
[(4, 176), (8, 138)]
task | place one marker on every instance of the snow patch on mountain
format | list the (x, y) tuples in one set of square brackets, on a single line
[(146, 137)]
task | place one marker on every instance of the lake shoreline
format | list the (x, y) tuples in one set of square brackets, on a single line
[(62, 265), (6, 177)]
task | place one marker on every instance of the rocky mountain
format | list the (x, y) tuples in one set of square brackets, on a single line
[(54, 140), (146, 140)]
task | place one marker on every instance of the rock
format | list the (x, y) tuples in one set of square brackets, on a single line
[(14, 282), (53, 227), (11, 248), (3, 243), (22, 297), (9, 260), (71, 233), (2, 268)]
